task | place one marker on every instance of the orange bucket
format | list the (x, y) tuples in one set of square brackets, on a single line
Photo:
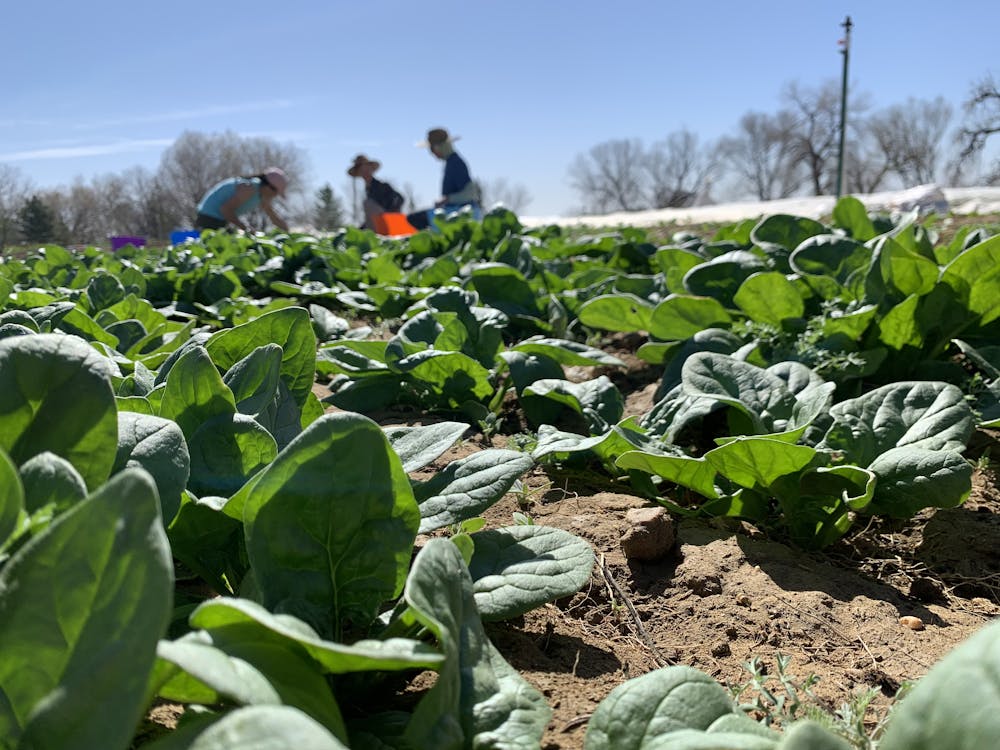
[(393, 225)]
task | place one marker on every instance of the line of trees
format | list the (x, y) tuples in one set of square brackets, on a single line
[(769, 155), (139, 201), (794, 151), (152, 204)]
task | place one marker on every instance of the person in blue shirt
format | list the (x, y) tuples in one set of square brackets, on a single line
[(458, 189), (226, 201)]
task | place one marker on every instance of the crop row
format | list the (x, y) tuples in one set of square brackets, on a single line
[(158, 413)]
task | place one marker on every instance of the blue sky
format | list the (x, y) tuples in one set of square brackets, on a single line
[(92, 88)]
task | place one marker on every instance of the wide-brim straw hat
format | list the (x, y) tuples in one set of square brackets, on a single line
[(361, 161), (437, 136)]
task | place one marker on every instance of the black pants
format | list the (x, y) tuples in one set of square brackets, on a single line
[(418, 219), (204, 221)]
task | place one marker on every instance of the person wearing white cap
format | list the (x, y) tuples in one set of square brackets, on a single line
[(458, 189), (226, 201)]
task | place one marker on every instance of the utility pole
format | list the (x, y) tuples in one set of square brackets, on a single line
[(845, 44)]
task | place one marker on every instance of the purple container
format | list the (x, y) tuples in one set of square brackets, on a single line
[(117, 243)]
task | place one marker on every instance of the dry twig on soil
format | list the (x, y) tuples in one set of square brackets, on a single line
[(641, 633)]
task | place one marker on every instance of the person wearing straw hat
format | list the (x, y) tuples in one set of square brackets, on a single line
[(380, 197), (226, 201), (458, 189)]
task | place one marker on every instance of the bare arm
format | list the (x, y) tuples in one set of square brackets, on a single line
[(228, 209), (273, 215)]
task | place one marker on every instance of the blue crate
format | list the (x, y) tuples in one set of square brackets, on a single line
[(180, 236)]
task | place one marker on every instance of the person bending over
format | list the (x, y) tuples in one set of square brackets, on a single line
[(227, 201)]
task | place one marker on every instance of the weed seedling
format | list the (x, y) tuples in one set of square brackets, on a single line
[(781, 699), (777, 700)]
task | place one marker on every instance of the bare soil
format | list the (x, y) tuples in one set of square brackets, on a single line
[(727, 593)]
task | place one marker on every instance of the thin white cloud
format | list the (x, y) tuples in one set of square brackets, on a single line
[(178, 115), (358, 143), (25, 123), (93, 149), (190, 114), (282, 135)]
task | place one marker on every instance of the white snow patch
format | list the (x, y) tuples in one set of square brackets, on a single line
[(970, 200)]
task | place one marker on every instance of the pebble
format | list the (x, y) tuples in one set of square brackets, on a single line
[(911, 622), (721, 649), (650, 534), (702, 584)]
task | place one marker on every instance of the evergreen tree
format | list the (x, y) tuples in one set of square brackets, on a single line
[(328, 212), (36, 221)]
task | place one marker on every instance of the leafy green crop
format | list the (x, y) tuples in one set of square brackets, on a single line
[(882, 303), (317, 536), (55, 395), (81, 609), (309, 531), (158, 411), (787, 453)]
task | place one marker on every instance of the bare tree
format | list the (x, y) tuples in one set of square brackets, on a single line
[(152, 204), (117, 205), (763, 154), (678, 170), (982, 120), (196, 161), (610, 177), (77, 209), (90, 212), (910, 136), (865, 165), (14, 188), (816, 133), (131, 203), (514, 196)]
